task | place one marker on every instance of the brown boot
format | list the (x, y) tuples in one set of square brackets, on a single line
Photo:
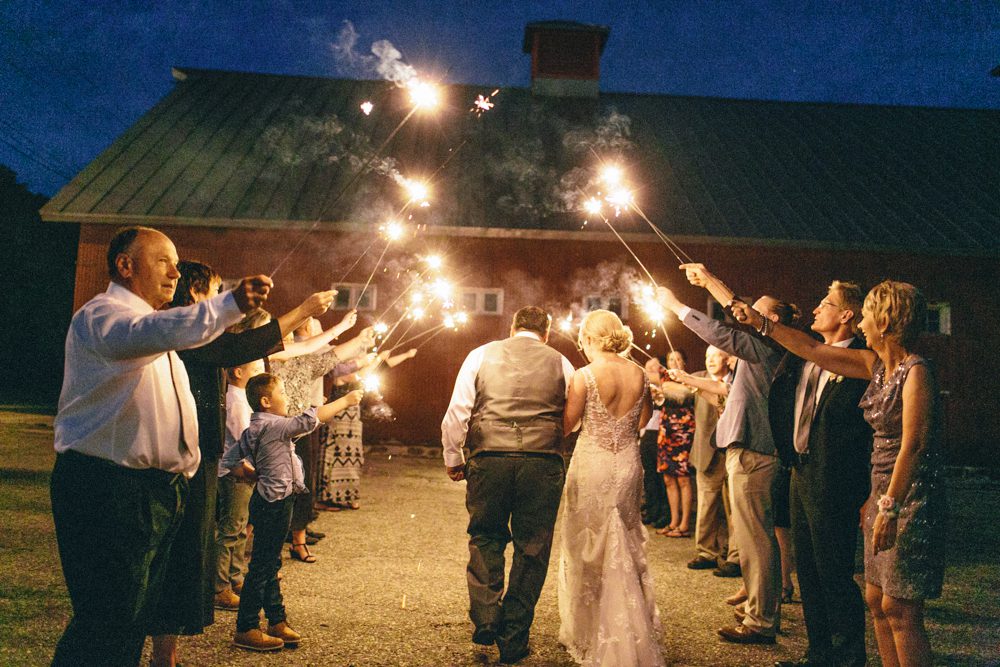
[(285, 633), (227, 600), (255, 640)]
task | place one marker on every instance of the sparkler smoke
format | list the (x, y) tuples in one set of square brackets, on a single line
[(386, 62)]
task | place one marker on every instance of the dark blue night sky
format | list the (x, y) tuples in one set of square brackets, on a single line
[(75, 75)]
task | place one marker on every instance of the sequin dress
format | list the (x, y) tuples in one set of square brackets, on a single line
[(914, 568), (607, 610)]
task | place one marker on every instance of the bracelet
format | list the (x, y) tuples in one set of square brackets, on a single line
[(765, 326), (888, 507)]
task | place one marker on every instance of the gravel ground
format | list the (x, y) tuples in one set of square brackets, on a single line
[(389, 589)]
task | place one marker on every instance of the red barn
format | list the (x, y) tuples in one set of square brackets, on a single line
[(249, 172)]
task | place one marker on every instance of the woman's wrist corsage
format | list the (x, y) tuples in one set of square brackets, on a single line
[(888, 507)]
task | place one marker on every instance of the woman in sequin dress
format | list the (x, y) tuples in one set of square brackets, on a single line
[(674, 448), (904, 517)]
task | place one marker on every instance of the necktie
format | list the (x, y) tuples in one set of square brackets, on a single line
[(188, 438), (808, 408)]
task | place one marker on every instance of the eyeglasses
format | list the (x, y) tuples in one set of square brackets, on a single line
[(829, 304)]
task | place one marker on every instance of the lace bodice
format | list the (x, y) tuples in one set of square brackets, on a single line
[(601, 427)]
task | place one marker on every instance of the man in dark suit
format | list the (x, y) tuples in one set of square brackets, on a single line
[(819, 428)]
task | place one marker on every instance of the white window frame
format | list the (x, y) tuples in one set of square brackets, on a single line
[(943, 310), (480, 294), (604, 302), (355, 289)]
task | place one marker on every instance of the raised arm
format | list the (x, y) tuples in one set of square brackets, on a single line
[(706, 384), (698, 275), (231, 349), (730, 340), (314, 306), (397, 359), (844, 361), (334, 408)]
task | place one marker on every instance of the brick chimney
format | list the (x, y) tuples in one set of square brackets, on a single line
[(565, 57)]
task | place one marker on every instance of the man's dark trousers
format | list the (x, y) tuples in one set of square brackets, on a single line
[(114, 526), (655, 509), (510, 496), (261, 589)]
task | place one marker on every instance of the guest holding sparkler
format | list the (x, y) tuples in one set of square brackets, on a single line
[(751, 458), (904, 517), (654, 495), (126, 437), (674, 447), (187, 604)]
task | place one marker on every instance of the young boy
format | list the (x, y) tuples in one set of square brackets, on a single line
[(267, 444), (234, 494)]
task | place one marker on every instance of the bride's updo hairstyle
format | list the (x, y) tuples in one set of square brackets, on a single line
[(606, 331)]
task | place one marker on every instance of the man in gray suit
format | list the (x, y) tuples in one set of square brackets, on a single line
[(507, 407), (751, 458)]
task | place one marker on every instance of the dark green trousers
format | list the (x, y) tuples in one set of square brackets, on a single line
[(115, 527), (510, 497)]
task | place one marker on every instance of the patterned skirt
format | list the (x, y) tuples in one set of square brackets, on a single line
[(673, 449), (343, 458)]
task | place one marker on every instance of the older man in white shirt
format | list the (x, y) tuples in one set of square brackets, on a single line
[(126, 437)]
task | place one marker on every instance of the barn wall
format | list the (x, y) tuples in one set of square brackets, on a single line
[(559, 273)]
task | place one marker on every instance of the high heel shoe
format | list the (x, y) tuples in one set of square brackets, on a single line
[(788, 595), (293, 552)]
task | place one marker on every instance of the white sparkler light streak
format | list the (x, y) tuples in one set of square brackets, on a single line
[(417, 313), (434, 262), (441, 289), (449, 322), (619, 198), (393, 230), (380, 328), (366, 107), (592, 206), (416, 191), (612, 176), (462, 318)]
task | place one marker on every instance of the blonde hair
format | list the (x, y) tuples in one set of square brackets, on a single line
[(900, 308), (606, 330)]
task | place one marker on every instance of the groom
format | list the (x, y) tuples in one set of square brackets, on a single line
[(507, 407)]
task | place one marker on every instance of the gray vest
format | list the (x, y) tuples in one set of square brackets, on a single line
[(520, 396)]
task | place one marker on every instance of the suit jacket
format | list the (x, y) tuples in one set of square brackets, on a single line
[(836, 474), (706, 416), (744, 421), (205, 365)]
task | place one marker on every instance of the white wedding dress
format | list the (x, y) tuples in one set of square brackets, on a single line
[(607, 609)]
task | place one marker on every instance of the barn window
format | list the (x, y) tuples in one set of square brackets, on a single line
[(938, 319), (482, 300), (348, 294), (613, 302)]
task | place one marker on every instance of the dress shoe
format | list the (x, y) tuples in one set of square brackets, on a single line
[(227, 600), (741, 634), (238, 588), (727, 569), (484, 636), (739, 613), (315, 533), (514, 657), (255, 640), (284, 633), (700, 562)]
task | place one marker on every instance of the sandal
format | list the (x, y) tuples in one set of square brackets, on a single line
[(666, 529), (677, 532), (293, 552)]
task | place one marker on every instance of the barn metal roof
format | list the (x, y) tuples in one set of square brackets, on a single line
[(238, 149)]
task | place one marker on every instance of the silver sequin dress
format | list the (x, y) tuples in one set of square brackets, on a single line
[(914, 568)]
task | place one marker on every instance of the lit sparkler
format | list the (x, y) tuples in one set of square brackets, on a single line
[(423, 95), (434, 262), (366, 107), (483, 104), (380, 328), (371, 384)]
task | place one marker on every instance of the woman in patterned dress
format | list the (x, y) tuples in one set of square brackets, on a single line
[(904, 517), (674, 448)]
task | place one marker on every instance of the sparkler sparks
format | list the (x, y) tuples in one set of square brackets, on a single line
[(483, 104), (380, 328), (371, 383), (592, 206), (424, 95), (612, 176), (393, 230), (366, 107), (434, 262), (441, 289)]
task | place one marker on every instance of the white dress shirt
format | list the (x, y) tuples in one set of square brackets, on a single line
[(124, 389), (455, 425), (238, 412), (800, 389)]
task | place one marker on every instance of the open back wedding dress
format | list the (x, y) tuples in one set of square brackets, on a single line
[(606, 605)]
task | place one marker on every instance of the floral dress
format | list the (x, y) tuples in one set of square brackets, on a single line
[(673, 446)]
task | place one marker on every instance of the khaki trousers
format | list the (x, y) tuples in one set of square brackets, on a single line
[(751, 476), (711, 531)]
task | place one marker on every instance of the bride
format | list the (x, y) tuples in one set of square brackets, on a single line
[(606, 606)]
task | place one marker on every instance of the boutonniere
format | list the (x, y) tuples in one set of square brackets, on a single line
[(834, 378)]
